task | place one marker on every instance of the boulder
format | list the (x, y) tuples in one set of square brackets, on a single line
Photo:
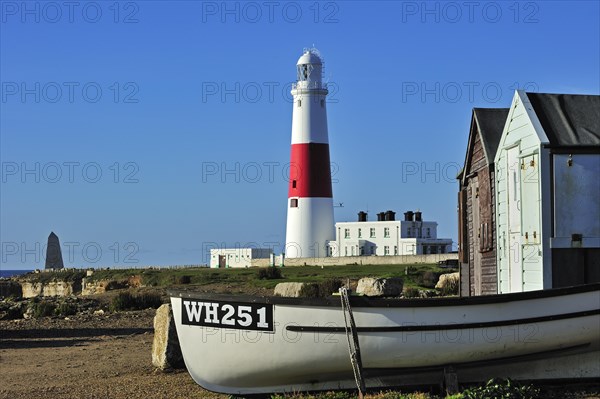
[(166, 353), (288, 289), (10, 288), (448, 281), (380, 286)]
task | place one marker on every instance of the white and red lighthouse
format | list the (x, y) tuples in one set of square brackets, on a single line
[(310, 222)]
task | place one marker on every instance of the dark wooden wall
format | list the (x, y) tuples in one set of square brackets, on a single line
[(478, 241)]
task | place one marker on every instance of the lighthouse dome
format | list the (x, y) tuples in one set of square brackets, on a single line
[(310, 56), (310, 69)]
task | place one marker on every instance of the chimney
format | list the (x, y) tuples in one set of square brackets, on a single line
[(390, 215), (381, 216), (418, 216), (362, 216), (408, 216)]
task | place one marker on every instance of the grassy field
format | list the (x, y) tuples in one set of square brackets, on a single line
[(415, 275)]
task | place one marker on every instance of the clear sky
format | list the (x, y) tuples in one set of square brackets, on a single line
[(147, 132)]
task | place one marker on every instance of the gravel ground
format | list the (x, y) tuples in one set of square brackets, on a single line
[(87, 356), (108, 356)]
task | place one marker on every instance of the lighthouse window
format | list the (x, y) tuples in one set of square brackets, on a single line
[(322, 103), (293, 183), (299, 103), (294, 203)]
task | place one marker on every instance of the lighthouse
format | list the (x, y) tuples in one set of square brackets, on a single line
[(310, 222)]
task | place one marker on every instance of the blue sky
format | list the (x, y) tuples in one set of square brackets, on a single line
[(147, 132)]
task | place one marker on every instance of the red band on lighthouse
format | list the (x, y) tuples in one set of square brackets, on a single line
[(310, 173)]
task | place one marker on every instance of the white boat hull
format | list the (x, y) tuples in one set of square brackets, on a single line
[(402, 342)]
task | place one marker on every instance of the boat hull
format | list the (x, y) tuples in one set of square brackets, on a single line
[(402, 342)]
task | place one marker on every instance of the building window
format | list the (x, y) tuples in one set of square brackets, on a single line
[(372, 249), (386, 232), (345, 251), (395, 250), (346, 233), (372, 232), (294, 203), (408, 232), (428, 232), (359, 233), (386, 250)]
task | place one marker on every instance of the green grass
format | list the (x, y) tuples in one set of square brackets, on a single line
[(249, 277), (46, 277)]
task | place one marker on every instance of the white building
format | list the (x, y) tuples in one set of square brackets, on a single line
[(387, 236), (237, 257), (548, 192)]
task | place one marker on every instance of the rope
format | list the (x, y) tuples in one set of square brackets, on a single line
[(353, 346)]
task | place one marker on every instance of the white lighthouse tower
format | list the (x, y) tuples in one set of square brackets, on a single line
[(310, 222)]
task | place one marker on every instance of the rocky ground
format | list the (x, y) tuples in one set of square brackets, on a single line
[(87, 356), (100, 354)]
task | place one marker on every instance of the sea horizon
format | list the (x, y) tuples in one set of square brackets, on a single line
[(14, 272)]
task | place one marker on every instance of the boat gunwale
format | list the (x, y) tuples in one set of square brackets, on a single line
[(363, 301)]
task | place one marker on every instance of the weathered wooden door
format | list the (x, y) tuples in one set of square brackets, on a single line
[(222, 261), (514, 220)]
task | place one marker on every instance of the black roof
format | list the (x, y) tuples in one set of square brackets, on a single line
[(568, 119), (490, 124)]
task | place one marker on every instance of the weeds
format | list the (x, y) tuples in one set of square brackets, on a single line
[(128, 301), (268, 273)]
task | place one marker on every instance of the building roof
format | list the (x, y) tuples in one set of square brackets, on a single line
[(568, 119), (490, 123)]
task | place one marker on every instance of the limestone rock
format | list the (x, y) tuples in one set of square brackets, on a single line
[(51, 288), (166, 353), (448, 280), (380, 286), (288, 289)]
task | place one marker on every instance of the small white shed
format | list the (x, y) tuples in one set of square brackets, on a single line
[(548, 192), (237, 257)]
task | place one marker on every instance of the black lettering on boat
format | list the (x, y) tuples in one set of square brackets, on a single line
[(234, 315)]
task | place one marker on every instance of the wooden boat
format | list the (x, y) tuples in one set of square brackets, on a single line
[(247, 345)]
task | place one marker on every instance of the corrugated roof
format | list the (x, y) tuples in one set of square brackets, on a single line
[(568, 119), (490, 123)]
